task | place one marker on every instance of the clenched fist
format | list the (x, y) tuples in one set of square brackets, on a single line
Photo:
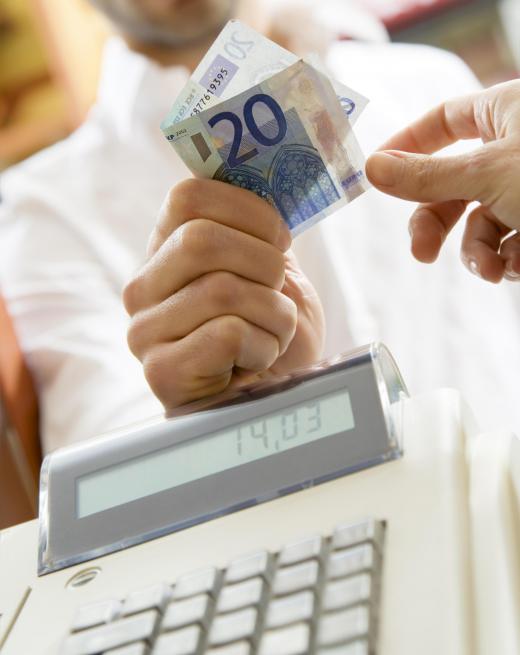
[(221, 300)]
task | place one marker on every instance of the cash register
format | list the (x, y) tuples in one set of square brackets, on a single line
[(322, 513)]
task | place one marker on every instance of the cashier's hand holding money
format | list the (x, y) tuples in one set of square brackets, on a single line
[(221, 298), (446, 185)]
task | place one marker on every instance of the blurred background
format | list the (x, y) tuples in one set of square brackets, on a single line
[(50, 53)]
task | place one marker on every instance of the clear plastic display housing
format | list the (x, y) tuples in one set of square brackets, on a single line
[(275, 437)]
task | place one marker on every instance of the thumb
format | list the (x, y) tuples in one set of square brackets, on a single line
[(430, 179)]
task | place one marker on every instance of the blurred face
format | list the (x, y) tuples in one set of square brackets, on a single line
[(167, 22)]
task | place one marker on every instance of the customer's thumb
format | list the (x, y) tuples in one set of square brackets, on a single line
[(428, 179)]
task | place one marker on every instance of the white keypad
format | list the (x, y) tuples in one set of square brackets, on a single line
[(319, 595)]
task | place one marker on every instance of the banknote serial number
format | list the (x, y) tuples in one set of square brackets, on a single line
[(210, 91)]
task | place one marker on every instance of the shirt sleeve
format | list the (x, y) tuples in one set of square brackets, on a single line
[(71, 323)]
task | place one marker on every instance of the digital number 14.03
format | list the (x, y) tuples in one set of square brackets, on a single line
[(286, 427)]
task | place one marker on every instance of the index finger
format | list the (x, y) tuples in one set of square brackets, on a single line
[(223, 203), (448, 122)]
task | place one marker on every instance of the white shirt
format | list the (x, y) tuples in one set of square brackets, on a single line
[(75, 220)]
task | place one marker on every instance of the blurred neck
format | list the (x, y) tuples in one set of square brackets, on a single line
[(187, 56), (190, 54)]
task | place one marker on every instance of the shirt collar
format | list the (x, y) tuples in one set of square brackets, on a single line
[(134, 90)]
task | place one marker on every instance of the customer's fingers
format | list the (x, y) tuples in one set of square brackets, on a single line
[(203, 362), (199, 247), (510, 253), (481, 243), (210, 296), (224, 203), (472, 176), (429, 226), (448, 122)]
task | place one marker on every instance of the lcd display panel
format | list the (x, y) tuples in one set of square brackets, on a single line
[(204, 456)]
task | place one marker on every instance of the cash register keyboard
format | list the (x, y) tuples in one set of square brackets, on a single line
[(316, 596)]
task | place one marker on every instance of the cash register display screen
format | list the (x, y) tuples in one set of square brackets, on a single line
[(243, 443)]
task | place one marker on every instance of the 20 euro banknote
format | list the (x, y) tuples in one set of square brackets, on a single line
[(238, 59), (286, 138)]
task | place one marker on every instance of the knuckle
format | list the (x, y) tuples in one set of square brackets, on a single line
[(195, 238), (230, 335), (479, 162), (157, 368), (271, 218), (140, 334), (183, 197), (133, 338), (266, 352), (505, 94), (424, 171), (290, 315), (490, 170), (224, 290), (131, 294), (278, 270)]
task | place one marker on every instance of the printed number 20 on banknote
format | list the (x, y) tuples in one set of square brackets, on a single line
[(287, 138)]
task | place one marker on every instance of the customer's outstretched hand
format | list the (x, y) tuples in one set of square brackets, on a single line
[(445, 185)]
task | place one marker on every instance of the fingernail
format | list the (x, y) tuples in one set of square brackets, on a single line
[(474, 267), (384, 168), (510, 273)]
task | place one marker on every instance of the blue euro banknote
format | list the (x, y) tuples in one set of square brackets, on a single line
[(288, 139)]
